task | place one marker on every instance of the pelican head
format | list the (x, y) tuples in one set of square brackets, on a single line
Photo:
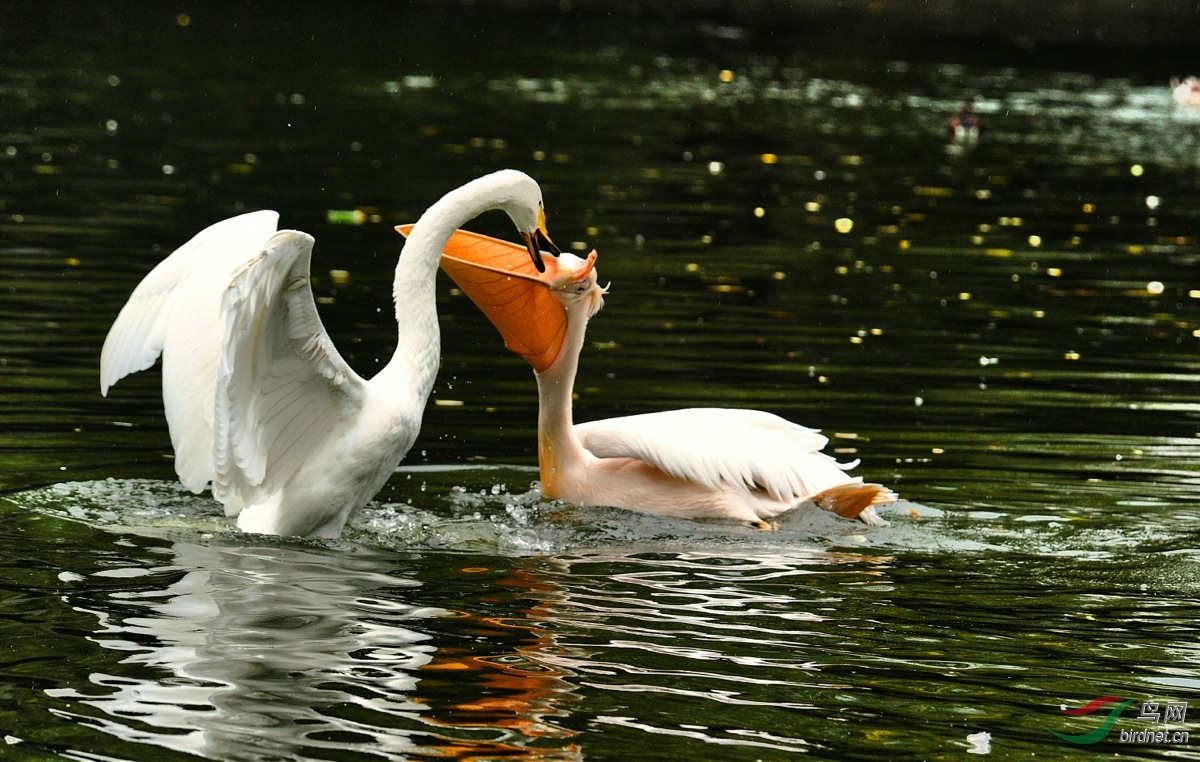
[(525, 208)]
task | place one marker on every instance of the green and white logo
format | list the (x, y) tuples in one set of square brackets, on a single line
[(1172, 712)]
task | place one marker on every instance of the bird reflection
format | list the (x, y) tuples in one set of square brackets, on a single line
[(264, 641), (307, 651), (287, 651), (524, 692)]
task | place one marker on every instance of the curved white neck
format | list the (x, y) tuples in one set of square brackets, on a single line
[(413, 368)]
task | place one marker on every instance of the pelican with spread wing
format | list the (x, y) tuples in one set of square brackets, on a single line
[(259, 402)]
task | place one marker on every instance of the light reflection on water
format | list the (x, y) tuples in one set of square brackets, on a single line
[(986, 338)]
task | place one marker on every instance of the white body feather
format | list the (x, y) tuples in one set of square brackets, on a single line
[(258, 401), (745, 465), (718, 447)]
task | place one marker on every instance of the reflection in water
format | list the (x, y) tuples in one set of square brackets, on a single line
[(236, 651), (739, 635), (286, 651), (266, 650), (523, 690), (748, 641)]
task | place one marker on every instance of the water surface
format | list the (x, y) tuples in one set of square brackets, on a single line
[(1005, 333)]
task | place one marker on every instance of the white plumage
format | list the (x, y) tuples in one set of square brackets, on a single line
[(258, 401), (176, 312), (718, 446)]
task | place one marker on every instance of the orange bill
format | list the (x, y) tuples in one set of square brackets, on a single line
[(500, 279)]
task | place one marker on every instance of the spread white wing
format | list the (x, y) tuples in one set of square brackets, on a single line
[(176, 311), (715, 447), (282, 388)]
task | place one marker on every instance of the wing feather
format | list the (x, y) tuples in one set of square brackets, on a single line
[(175, 312), (282, 387), (748, 449), (137, 336)]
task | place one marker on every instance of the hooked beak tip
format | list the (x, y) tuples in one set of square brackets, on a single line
[(535, 253)]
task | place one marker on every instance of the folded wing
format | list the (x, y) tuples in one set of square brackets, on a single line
[(716, 447)]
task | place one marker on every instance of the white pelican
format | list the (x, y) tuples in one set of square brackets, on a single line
[(744, 465), (1187, 92), (258, 401)]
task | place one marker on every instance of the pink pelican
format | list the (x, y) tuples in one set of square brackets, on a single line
[(698, 463)]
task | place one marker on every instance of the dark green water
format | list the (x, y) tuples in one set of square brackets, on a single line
[(1006, 335)]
